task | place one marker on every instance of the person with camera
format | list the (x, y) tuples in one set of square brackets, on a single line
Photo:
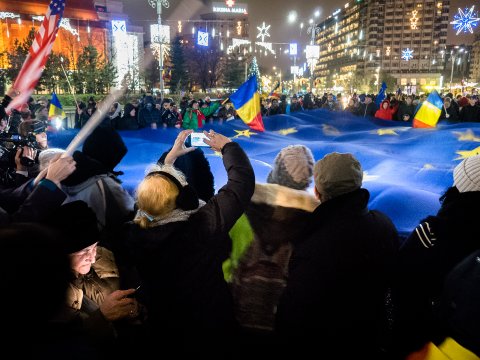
[(37, 199), (176, 244)]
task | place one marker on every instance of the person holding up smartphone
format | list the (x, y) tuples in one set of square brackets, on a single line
[(175, 243)]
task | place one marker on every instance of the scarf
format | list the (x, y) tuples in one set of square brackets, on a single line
[(200, 118), (174, 216)]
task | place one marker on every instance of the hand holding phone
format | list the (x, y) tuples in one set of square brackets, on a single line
[(196, 139)]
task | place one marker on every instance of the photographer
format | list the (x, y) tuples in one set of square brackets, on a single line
[(19, 158)]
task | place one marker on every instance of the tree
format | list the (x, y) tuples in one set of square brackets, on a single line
[(179, 78), (93, 75), (205, 65), (389, 80), (16, 57), (253, 70), (234, 73)]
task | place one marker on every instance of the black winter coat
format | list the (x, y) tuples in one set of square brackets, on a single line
[(432, 250), (339, 276), (180, 266)]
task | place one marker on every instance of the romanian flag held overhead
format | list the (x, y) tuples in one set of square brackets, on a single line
[(429, 112), (246, 101), (56, 109)]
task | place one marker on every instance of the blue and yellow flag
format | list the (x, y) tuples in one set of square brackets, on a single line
[(429, 112), (56, 109), (246, 101)]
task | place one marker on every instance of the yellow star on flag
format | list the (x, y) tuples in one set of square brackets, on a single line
[(330, 130), (217, 153), (428, 167), (467, 136), (287, 131), (467, 154), (245, 133), (382, 132)]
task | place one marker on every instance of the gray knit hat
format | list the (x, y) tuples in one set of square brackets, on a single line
[(293, 167), (337, 174), (466, 176)]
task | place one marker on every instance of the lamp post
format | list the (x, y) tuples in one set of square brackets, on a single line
[(453, 58), (159, 4)]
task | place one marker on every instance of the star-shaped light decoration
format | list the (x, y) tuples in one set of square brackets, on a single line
[(467, 154), (465, 20), (263, 31), (407, 54), (467, 136), (330, 130), (382, 132), (288, 131), (245, 133), (230, 3)]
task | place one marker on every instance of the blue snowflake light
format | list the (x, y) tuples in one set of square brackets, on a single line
[(407, 54), (465, 20)]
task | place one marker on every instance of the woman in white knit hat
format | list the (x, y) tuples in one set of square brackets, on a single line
[(433, 249)]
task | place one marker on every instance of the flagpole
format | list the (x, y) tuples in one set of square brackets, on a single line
[(68, 81)]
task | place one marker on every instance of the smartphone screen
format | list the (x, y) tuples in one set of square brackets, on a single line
[(196, 139)]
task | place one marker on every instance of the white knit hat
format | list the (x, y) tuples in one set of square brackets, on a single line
[(466, 176)]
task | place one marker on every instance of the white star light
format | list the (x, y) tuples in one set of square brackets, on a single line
[(465, 21), (263, 31), (407, 54)]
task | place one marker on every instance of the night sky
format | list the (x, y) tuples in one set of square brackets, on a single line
[(273, 12)]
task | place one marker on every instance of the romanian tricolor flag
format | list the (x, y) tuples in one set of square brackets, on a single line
[(56, 109), (429, 112), (246, 101)]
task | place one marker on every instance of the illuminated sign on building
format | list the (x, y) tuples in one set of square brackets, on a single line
[(293, 49), (241, 9), (119, 27), (202, 39)]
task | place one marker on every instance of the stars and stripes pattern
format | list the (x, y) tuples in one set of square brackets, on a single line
[(34, 64)]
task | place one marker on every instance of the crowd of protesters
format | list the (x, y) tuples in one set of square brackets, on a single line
[(255, 269)]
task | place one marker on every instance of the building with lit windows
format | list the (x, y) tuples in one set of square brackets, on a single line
[(368, 38), (85, 22), (223, 23)]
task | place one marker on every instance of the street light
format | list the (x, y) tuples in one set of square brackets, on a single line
[(159, 4), (453, 57)]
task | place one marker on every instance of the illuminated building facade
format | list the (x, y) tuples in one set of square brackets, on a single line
[(85, 22), (367, 37)]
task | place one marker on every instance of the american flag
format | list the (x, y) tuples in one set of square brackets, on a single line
[(34, 64)]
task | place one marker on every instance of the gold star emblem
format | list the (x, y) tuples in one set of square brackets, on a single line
[(217, 153), (287, 131), (245, 133), (467, 154), (428, 167), (330, 130), (382, 132), (467, 136)]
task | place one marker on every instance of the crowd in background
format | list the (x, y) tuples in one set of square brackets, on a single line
[(267, 269)]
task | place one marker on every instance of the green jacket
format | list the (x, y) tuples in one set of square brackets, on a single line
[(190, 119)]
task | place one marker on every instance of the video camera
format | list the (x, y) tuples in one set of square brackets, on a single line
[(9, 143)]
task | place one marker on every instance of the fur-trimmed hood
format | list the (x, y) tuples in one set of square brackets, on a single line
[(278, 214)]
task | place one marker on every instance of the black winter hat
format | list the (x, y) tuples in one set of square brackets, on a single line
[(78, 224), (106, 146)]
